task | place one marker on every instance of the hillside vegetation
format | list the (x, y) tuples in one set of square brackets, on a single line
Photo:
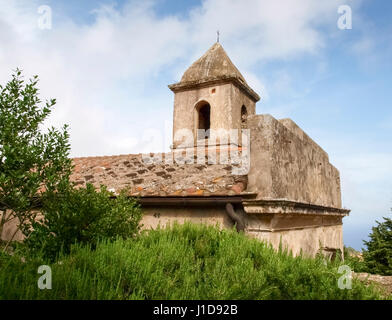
[(180, 262)]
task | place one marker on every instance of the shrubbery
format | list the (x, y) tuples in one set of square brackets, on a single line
[(35, 186), (378, 256), (183, 262), (82, 216), (31, 161), (354, 260)]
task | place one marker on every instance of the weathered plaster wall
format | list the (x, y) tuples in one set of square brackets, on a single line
[(310, 240), (225, 100), (287, 164), (185, 115), (9, 229), (281, 222), (309, 233), (240, 99), (163, 216)]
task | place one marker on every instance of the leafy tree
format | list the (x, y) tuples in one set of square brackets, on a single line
[(31, 162), (378, 256), (35, 186), (83, 216)]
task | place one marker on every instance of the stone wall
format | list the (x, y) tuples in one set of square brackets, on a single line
[(309, 241), (154, 216), (310, 234), (10, 228), (225, 100), (287, 164)]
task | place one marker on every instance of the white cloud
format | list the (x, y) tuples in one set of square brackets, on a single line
[(260, 30), (105, 74)]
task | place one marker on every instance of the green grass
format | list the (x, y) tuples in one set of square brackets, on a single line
[(181, 262)]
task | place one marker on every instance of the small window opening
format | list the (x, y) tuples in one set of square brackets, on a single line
[(244, 116), (204, 119)]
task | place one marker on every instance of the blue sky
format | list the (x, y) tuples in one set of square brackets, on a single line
[(108, 63)]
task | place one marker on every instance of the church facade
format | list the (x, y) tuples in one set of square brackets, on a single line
[(230, 166)]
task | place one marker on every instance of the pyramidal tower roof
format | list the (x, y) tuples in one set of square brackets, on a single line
[(215, 63), (214, 66)]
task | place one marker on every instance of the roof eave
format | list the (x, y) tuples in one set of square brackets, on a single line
[(285, 206), (189, 85)]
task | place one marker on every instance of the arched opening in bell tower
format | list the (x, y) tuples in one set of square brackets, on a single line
[(203, 110), (244, 116)]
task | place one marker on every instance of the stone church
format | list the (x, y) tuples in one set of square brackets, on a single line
[(230, 166)]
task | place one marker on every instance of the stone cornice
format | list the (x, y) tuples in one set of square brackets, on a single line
[(189, 85), (284, 206)]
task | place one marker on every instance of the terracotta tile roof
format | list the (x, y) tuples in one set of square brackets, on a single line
[(157, 179)]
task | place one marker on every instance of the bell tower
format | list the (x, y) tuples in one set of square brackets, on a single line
[(212, 95)]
